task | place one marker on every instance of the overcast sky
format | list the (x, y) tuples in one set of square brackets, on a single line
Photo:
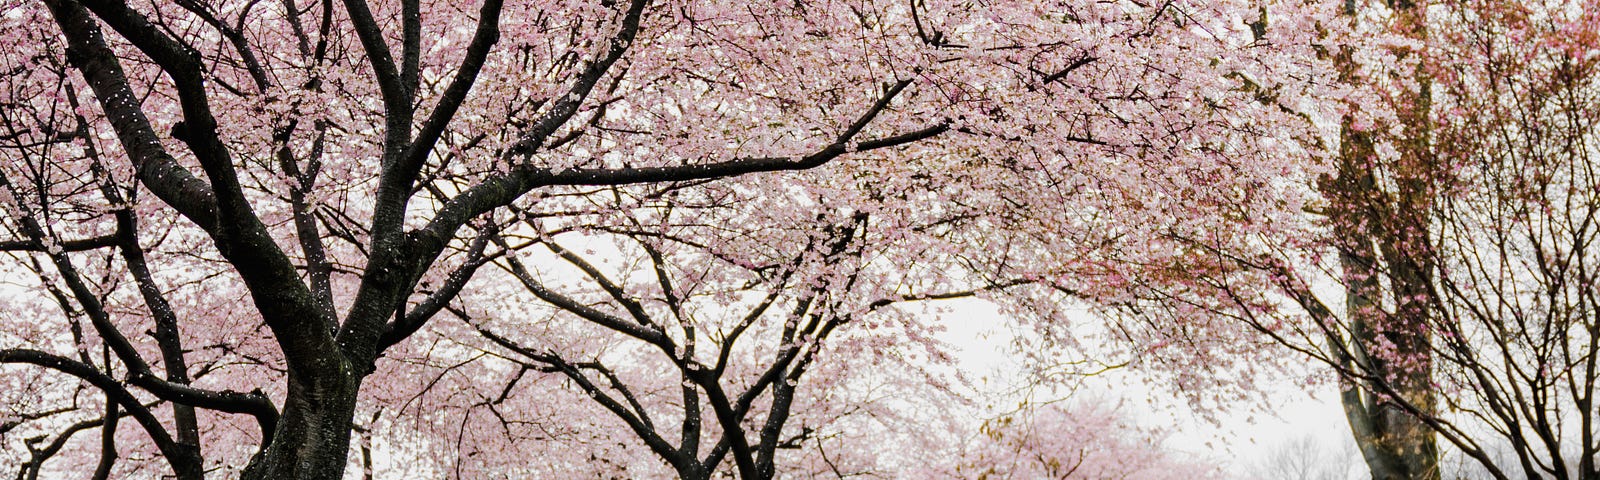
[(1286, 420)]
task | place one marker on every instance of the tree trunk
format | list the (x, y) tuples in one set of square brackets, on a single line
[(1384, 235), (1396, 444), (312, 439)]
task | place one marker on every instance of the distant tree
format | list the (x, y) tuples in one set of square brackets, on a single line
[(1089, 440), (1309, 458)]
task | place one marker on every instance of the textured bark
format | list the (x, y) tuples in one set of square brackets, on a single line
[(313, 435)]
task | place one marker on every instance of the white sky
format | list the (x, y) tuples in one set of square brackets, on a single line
[(1286, 420)]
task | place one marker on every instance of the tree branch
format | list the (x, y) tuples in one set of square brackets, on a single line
[(76, 245), (183, 459), (411, 321), (282, 299), (586, 312)]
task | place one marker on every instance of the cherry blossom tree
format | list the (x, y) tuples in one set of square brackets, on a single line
[(1438, 275), (1432, 253), (227, 222), (701, 340)]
